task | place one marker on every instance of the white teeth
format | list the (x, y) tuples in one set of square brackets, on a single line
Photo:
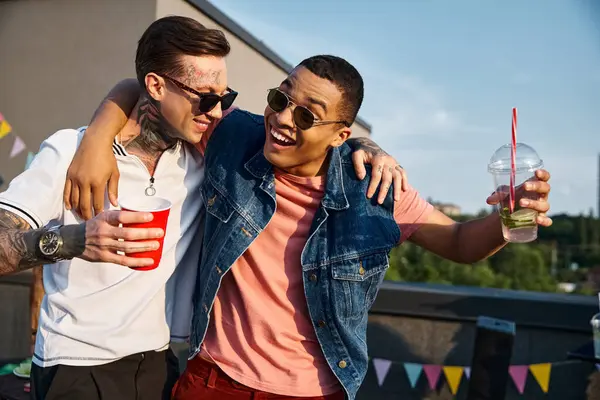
[(280, 137)]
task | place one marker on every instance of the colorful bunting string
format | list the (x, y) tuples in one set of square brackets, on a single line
[(454, 374), (541, 373), (30, 157), (5, 128), (468, 372), (18, 147), (18, 144), (413, 371), (518, 374), (381, 369), (432, 372), (453, 377)]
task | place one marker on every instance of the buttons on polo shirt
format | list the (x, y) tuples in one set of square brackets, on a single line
[(313, 277), (321, 323), (342, 364)]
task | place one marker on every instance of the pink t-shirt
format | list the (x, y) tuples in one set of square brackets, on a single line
[(260, 332)]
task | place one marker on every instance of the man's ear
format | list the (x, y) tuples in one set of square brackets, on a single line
[(342, 136), (155, 86)]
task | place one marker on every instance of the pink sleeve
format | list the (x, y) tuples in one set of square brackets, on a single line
[(410, 212), (201, 146)]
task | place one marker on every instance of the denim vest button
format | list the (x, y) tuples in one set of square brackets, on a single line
[(321, 324), (342, 364), (313, 277)]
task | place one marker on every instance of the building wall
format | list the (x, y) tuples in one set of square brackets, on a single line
[(58, 60)]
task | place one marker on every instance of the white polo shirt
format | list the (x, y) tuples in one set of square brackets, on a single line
[(95, 313)]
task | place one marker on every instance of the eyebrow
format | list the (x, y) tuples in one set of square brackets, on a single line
[(311, 100)]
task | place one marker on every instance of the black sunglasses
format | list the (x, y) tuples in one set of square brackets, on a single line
[(303, 117), (207, 101)]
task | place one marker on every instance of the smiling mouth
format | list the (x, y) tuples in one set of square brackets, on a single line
[(280, 139), (202, 125)]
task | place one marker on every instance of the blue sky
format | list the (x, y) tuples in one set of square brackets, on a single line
[(441, 78)]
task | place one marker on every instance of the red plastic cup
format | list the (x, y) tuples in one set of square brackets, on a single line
[(160, 209)]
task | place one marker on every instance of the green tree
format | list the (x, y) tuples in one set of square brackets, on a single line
[(583, 230)]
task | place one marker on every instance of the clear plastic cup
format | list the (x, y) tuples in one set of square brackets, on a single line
[(596, 332), (518, 226)]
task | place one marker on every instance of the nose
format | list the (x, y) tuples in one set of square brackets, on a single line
[(217, 112), (285, 118)]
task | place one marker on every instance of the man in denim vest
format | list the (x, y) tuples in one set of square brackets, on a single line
[(294, 252)]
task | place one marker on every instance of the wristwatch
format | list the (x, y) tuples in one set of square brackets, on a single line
[(50, 244)]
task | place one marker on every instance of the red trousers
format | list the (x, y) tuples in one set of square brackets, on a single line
[(204, 380)]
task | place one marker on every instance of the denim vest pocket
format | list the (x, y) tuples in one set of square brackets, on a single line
[(216, 204), (356, 282)]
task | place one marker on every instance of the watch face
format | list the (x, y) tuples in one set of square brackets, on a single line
[(49, 243)]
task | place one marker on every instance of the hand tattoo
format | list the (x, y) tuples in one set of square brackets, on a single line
[(18, 243), (368, 146)]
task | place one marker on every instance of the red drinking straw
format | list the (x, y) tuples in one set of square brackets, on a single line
[(513, 160)]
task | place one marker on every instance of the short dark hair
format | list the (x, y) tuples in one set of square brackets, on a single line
[(167, 39), (344, 76)]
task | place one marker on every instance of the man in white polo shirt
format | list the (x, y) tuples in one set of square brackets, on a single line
[(104, 328)]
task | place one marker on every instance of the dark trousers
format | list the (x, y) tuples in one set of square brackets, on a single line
[(143, 376), (204, 380)]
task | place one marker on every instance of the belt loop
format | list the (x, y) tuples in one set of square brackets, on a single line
[(212, 378)]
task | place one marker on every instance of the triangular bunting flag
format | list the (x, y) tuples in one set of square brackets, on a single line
[(433, 374), (414, 372), (468, 372), (18, 147), (30, 157), (1, 117), (381, 369), (519, 376), (4, 128), (541, 372), (453, 376)]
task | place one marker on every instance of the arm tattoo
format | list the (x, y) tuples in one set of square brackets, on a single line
[(368, 146), (18, 243)]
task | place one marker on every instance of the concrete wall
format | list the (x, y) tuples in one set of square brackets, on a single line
[(58, 60)]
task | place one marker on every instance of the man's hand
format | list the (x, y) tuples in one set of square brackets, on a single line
[(94, 164), (531, 194), (385, 169), (104, 238), (92, 167)]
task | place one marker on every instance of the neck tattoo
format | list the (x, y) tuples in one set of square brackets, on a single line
[(153, 139)]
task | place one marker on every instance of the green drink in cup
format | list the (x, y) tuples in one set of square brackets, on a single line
[(518, 224)]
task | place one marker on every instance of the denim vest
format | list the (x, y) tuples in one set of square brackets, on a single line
[(343, 261)]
